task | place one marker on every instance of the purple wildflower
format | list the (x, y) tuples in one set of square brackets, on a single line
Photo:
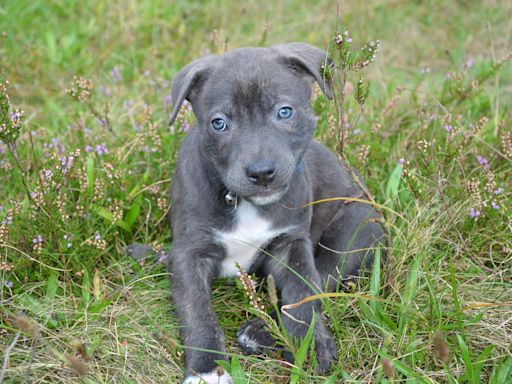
[(167, 100), (483, 161), (15, 116), (498, 191), (163, 257), (97, 237), (448, 128), (401, 161), (88, 148), (105, 91), (102, 121), (8, 283), (66, 162), (101, 149), (495, 205), (469, 63), (56, 145), (115, 74), (474, 213)]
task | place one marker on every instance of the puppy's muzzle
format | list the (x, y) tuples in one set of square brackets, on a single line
[(261, 172)]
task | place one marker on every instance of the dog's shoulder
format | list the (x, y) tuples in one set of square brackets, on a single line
[(330, 177)]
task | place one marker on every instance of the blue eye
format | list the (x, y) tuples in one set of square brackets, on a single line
[(219, 125), (285, 113)]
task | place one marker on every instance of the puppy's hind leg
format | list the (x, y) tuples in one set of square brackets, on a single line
[(347, 246)]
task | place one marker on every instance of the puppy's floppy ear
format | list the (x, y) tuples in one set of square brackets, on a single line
[(307, 58), (188, 81)]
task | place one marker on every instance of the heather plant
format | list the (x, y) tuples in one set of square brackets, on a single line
[(10, 117), (86, 160)]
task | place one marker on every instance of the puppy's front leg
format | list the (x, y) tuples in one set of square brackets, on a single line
[(297, 259), (192, 273)]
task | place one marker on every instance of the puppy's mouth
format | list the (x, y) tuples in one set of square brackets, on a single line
[(267, 195)]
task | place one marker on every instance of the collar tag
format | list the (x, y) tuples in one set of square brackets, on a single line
[(231, 199)]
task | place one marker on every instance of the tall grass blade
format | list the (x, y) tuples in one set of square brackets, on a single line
[(302, 353)]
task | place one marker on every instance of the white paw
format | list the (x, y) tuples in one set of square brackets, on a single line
[(209, 378)]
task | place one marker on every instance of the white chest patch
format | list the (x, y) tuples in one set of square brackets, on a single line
[(251, 231)]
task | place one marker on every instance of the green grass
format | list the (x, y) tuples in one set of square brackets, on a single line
[(77, 303)]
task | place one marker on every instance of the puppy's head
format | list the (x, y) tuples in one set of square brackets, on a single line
[(253, 113)]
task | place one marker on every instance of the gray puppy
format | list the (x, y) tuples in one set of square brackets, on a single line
[(244, 175)]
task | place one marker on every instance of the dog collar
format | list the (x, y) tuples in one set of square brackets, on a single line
[(298, 168), (231, 199)]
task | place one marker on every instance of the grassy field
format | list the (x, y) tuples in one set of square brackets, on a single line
[(86, 170)]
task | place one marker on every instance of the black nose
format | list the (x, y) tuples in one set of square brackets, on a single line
[(262, 172)]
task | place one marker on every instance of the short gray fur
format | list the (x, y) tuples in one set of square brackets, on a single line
[(246, 88)]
